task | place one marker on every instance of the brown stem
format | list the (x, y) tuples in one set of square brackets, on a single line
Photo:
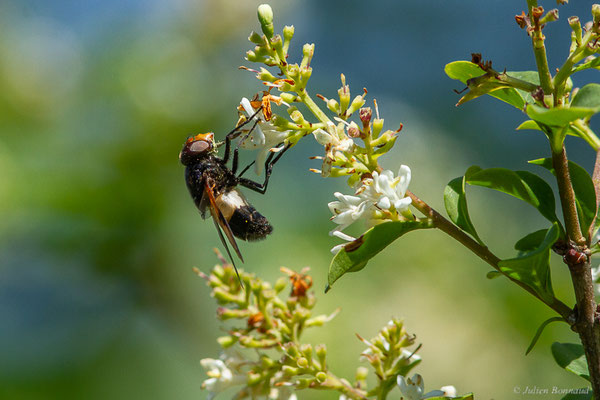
[(586, 323), (567, 196), (481, 251), (596, 180)]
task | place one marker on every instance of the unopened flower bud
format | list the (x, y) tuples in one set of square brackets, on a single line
[(303, 383), (365, 115), (265, 17), (321, 352), (297, 117), (266, 362), (333, 106), (288, 32), (226, 341), (291, 349), (353, 130), (305, 74), (280, 284), (344, 93), (290, 371), (255, 38), (288, 97), (321, 376), (306, 350), (377, 126), (302, 362), (357, 103), (253, 378), (265, 75), (361, 373), (308, 50), (293, 72)]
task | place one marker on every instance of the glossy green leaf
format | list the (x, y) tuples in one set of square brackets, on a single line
[(571, 357), (466, 70), (533, 268), (355, 255), (531, 241), (521, 184), (531, 124), (455, 200), (557, 117), (588, 97), (539, 331), (583, 186)]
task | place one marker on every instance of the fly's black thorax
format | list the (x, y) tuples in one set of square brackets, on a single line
[(212, 169)]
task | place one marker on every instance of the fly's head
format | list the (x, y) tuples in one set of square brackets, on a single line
[(196, 148)]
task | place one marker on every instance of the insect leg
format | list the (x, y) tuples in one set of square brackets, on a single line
[(271, 160), (235, 132)]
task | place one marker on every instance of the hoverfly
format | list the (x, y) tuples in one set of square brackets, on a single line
[(213, 187)]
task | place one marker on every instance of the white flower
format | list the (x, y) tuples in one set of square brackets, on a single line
[(386, 191), (220, 376), (334, 142), (346, 210), (449, 391), (413, 388), (265, 137)]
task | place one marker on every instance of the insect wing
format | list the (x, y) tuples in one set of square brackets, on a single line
[(221, 223)]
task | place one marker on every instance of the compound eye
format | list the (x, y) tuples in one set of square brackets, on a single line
[(200, 146)]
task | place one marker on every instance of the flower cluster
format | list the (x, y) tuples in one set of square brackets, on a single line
[(381, 196), (263, 355), (351, 148)]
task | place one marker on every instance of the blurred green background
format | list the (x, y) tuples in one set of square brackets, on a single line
[(99, 236)]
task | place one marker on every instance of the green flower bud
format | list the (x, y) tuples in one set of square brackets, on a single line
[(550, 16), (265, 75), (256, 38), (265, 17), (377, 126), (288, 33), (321, 376), (226, 341), (306, 350), (290, 371), (361, 373), (308, 50), (253, 379), (266, 362), (357, 103), (288, 97), (223, 297), (297, 117), (280, 284), (303, 383), (252, 57), (293, 72), (333, 106), (344, 93), (302, 362), (305, 74), (277, 44), (291, 349), (321, 352)]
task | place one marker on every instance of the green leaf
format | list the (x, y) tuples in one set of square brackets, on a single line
[(588, 97), (531, 124), (533, 268), (455, 200), (539, 331), (531, 241), (571, 357), (466, 70), (355, 255), (583, 186), (521, 184), (557, 117)]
